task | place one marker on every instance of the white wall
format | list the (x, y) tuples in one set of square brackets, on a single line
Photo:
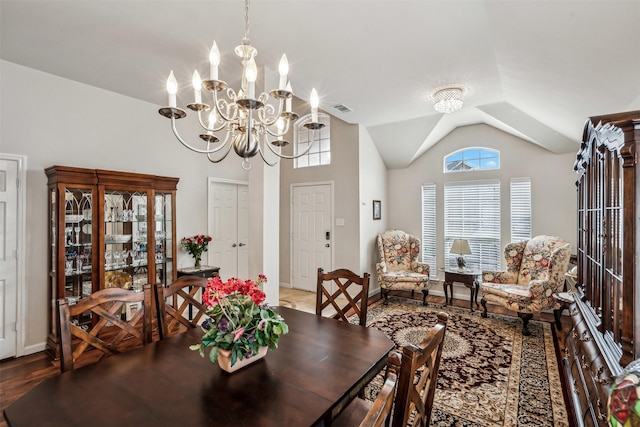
[(552, 184), (373, 186), (55, 121)]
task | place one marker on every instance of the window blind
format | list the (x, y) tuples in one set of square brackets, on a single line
[(520, 209), (428, 242), (472, 212)]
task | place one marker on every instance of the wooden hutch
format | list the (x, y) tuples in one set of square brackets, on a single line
[(107, 229), (605, 318)]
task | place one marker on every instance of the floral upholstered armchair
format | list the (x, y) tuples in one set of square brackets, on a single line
[(399, 268), (535, 272)]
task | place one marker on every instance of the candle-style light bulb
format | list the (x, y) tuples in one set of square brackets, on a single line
[(288, 102), (196, 81), (214, 60), (172, 89), (280, 125), (252, 75), (212, 121), (314, 101), (283, 68)]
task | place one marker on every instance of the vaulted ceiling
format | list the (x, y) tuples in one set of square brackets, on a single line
[(535, 69)]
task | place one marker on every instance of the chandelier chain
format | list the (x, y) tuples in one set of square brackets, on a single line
[(246, 23)]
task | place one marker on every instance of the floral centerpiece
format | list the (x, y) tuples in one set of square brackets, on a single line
[(240, 324), (195, 246)]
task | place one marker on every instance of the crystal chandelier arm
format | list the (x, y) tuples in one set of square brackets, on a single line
[(197, 150), (284, 156)]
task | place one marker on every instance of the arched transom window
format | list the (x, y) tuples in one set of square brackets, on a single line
[(472, 159)]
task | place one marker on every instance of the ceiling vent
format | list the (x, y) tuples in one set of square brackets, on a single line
[(342, 108)]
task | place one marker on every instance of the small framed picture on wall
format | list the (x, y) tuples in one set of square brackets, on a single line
[(377, 209)]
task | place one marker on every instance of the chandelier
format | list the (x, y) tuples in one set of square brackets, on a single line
[(240, 120), (448, 99)]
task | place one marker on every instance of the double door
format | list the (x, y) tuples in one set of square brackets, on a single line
[(107, 229), (229, 226)]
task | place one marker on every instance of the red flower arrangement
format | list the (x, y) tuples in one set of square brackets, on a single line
[(196, 245), (239, 320)]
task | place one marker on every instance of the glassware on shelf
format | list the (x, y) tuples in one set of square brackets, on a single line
[(107, 259), (79, 263), (68, 232), (68, 267), (117, 256), (77, 231)]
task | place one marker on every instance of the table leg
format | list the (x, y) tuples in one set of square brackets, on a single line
[(448, 300), (476, 285), (471, 295)]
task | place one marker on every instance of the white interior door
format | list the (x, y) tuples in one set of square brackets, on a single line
[(229, 227), (8, 257), (311, 234)]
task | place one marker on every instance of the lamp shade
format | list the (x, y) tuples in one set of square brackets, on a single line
[(460, 246)]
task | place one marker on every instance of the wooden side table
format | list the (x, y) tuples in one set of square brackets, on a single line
[(205, 271), (469, 278)]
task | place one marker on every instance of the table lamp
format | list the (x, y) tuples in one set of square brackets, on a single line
[(460, 247)]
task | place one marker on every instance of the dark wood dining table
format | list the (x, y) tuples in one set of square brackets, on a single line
[(318, 368)]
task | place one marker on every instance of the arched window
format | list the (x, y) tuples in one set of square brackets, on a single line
[(320, 152), (472, 159)]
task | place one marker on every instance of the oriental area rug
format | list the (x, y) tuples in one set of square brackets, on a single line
[(490, 374)]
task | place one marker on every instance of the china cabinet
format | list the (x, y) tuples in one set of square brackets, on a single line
[(604, 312), (107, 229)]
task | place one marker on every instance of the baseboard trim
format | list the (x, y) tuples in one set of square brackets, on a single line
[(35, 348)]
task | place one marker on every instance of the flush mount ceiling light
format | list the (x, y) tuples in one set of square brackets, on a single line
[(448, 99)]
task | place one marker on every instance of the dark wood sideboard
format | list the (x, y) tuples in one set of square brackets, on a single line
[(605, 322)]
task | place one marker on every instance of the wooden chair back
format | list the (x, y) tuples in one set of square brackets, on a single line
[(343, 302), (113, 327), (185, 309), (414, 400), (380, 412)]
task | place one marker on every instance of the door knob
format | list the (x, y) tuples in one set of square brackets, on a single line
[(241, 244), (234, 245)]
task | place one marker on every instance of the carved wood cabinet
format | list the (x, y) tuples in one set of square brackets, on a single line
[(107, 229), (605, 324)]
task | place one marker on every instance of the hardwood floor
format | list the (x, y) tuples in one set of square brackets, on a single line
[(18, 376)]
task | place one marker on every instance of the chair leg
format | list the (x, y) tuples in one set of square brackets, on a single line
[(484, 307), (525, 322), (556, 315), (385, 294), (425, 292)]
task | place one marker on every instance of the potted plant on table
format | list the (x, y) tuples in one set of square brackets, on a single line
[(195, 246), (241, 327)]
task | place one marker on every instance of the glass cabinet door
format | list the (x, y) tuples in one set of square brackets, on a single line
[(77, 243), (126, 252), (163, 226)]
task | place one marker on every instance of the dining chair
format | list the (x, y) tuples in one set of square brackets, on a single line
[(185, 309), (346, 302), (110, 320), (418, 376), (365, 413)]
